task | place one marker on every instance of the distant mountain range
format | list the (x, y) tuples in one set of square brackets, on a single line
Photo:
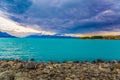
[(6, 35), (48, 36)]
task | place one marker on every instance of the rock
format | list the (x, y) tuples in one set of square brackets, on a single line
[(76, 61), (103, 65), (76, 79), (84, 61), (93, 78), (23, 78), (11, 63), (7, 75), (46, 71), (43, 79), (119, 61), (21, 75), (5, 64), (32, 59), (98, 61), (67, 78), (18, 60), (41, 65), (117, 66), (30, 65), (19, 66), (107, 70), (114, 61)]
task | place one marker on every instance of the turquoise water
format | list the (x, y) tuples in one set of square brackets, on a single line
[(51, 49)]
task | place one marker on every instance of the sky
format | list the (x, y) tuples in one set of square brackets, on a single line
[(60, 17)]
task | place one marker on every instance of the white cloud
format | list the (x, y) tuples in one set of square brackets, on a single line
[(14, 28)]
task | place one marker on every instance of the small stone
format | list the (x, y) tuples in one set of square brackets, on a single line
[(117, 66), (76, 61), (41, 65), (41, 79), (11, 63), (93, 78), (67, 78), (19, 66), (5, 64), (32, 59), (76, 79), (7, 75), (114, 61), (21, 74), (98, 61), (46, 71), (23, 78), (18, 60), (103, 65), (30, 65)]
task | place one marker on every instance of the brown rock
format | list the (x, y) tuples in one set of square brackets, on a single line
[(117, 66), (11, 63), (23, 78), (5, 64), (7, 75), (30, 65), (19, 66)]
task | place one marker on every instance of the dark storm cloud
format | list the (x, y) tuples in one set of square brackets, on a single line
[(65, 16)]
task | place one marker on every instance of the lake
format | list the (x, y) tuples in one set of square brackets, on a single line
[(55, 49)]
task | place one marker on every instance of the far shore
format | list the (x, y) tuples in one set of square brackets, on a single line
[(102, 37)]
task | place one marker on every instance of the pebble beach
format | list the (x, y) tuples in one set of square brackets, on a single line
[(31, 70)]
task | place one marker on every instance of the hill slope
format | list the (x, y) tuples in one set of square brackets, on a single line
[(5, 35)]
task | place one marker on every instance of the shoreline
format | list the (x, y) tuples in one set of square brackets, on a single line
[(71, 70)]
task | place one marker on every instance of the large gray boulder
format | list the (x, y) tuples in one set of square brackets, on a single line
[(30, 65)]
